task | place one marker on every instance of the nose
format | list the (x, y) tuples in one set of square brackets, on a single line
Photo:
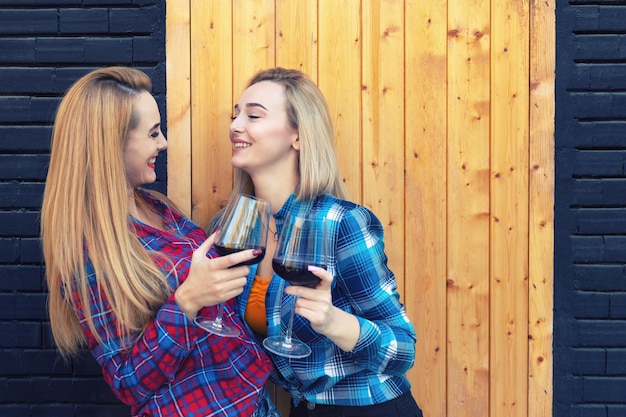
[(162, 143), (236, 125)]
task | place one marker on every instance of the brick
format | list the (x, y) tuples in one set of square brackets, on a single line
[(106, 2), (600, 277), (20, 335), (587, 410), (21, 277), (598, 249), (60, 50), (594, 18), (8, 305), (84, 364), (13, 109), (614, 248), (604, 389), (595, 333), (22, 223), (3, 388), (57, 3), (616, 410), (604, 191), (147, 49), (44, 362), (603, 134), (599, 163), (24, 167), (29, 194), (28, 21), (601, 221), (9, 250), (618, 306), (588, 362), (596, 77), (611, 18), (591, 305), (135, 21), (14, 410), (601, 46), (26, 80), (587, 248), (616, 362), (25, 139), (58, 389), (66, 76), (590, 104), (84, 20), (30, 249), (114, 50), (43, 110), (102, 410), (23, 306), (47, 340), (53, 410), (17, 51)]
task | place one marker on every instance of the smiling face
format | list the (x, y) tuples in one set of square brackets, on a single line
[(144, 142), (260, 132)]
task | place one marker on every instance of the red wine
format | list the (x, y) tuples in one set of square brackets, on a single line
[(227, 250), (296, 273)]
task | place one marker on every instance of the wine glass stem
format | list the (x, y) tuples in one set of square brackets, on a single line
[(220, 313), (290, 325)]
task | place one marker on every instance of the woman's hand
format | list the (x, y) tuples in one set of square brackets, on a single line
[(212, 281), (316, 305)]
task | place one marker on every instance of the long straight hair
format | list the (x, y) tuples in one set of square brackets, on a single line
[(85, 210), (308, 113)]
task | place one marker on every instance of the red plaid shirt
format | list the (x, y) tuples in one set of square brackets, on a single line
[(176, 368)]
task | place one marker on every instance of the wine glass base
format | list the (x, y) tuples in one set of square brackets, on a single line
[(294, 349), (214, 327)]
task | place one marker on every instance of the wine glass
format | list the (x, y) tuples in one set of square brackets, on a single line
[(303, 241), (243, 226)]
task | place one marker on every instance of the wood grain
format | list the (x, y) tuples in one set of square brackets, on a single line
[(443, 113)]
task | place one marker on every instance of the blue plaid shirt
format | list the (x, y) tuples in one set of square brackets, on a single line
[(375, 370)]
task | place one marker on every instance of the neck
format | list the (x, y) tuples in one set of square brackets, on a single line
[(141, 211), (276, 190)]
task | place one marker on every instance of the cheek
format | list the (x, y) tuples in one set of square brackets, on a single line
[(281, 134)]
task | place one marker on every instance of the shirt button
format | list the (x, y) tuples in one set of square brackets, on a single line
[(310, 406)]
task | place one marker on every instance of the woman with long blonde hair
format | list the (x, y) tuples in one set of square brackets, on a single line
[(127, 272), (361, 341)]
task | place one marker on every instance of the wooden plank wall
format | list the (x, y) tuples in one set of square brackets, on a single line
[(443, 112)]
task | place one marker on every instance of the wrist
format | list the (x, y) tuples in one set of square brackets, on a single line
[(185, 304), (345, 330)]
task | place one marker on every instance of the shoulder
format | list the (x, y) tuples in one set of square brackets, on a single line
[(344, 211), (154, 197)]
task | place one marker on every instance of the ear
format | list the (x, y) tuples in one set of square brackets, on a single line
[(296, 143)]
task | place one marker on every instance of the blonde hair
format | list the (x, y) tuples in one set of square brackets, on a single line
[(307, 112), (85, 207)]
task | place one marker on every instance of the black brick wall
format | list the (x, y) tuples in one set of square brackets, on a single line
[(590, 210), (46, 45)]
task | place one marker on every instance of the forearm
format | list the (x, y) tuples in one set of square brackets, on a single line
[(137, 373)]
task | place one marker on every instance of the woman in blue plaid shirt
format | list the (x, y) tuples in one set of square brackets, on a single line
[(361, 339)]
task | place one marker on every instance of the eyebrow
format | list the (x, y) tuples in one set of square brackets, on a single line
[(252, 105), (156, 126)]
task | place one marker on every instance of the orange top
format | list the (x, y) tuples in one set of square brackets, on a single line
[(255, 309)]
